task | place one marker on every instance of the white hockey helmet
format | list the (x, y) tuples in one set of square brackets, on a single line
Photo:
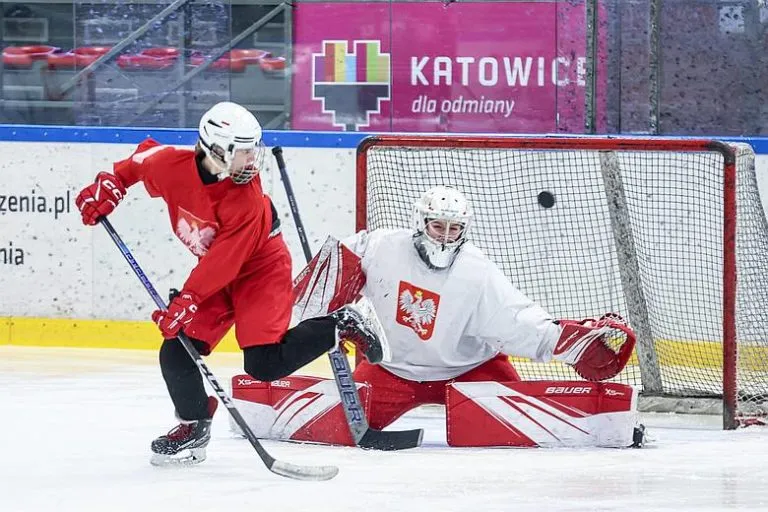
[(441, 218), (231, 137)]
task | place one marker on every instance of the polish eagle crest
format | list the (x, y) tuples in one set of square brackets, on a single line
[(417, 309), (195, 233)]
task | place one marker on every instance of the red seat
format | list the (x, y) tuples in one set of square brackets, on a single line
[(88, 54), (61, 60), (250, 55), (150, 59), (18, 61), (98, 51), (25, 56), (79, 57), (36, 52), (163, 52), (272, 64), (226, 62)]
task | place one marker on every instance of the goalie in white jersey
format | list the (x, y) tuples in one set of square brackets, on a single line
[(451, 315), (451, 318)]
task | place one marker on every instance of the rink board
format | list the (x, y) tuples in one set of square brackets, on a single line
[(61, 332), (51, 299)]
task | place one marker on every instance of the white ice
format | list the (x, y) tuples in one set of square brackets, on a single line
[(76, 424)]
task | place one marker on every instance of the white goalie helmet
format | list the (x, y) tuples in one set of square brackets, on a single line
[(441, 218), (231, 137)]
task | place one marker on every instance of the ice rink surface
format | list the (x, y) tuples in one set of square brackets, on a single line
[(77, 423)]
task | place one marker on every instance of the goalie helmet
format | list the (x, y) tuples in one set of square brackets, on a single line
[(441, 219), (231, 137)]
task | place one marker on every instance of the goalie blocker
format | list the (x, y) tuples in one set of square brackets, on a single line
[(478, 414)]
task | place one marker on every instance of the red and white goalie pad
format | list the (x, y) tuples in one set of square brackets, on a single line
[(332, 279), (294, 408), (540, 414)]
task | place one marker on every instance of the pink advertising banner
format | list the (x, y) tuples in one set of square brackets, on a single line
[(516, 67)]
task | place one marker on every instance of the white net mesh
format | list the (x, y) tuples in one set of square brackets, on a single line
[(544, 216)]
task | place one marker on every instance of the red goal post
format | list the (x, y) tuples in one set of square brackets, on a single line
[(669, 232)]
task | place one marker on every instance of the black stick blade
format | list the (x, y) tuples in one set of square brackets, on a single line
[(391, 440)]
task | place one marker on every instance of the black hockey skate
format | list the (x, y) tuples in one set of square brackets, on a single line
[(358, 324), (185, 444), (639, 437)]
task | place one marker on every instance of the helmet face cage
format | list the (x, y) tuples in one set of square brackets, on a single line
[(450, 208), (246, 163), (429, 224)]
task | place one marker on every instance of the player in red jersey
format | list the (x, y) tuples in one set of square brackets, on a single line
[(219, 211)]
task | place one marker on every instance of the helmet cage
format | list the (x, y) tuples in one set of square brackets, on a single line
[(445, 239), (225, 159), (438, 253)]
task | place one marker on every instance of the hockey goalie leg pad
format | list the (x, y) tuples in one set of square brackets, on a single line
[(295, 408), (540, 414)]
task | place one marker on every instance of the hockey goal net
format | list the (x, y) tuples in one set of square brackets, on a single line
[(669, 233)]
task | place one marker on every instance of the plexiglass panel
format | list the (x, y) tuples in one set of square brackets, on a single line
[(682, 67)]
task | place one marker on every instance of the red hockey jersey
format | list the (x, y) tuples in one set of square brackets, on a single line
[(223, 224)]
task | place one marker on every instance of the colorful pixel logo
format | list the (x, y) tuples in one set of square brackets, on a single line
[(351, 86)]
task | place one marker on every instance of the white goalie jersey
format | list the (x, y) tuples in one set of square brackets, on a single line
[(441, 324)]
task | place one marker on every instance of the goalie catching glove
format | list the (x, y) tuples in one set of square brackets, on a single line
[(587, 346)]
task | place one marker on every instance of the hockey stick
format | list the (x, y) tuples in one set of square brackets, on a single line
[(278, 467), (363, 435)]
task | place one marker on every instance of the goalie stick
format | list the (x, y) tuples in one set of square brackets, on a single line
[(363, 435), (281, 468)]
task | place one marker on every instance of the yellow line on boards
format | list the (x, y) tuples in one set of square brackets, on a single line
[(698, 354), (64, 332)]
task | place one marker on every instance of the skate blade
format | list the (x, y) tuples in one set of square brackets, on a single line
[(188, 457)]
